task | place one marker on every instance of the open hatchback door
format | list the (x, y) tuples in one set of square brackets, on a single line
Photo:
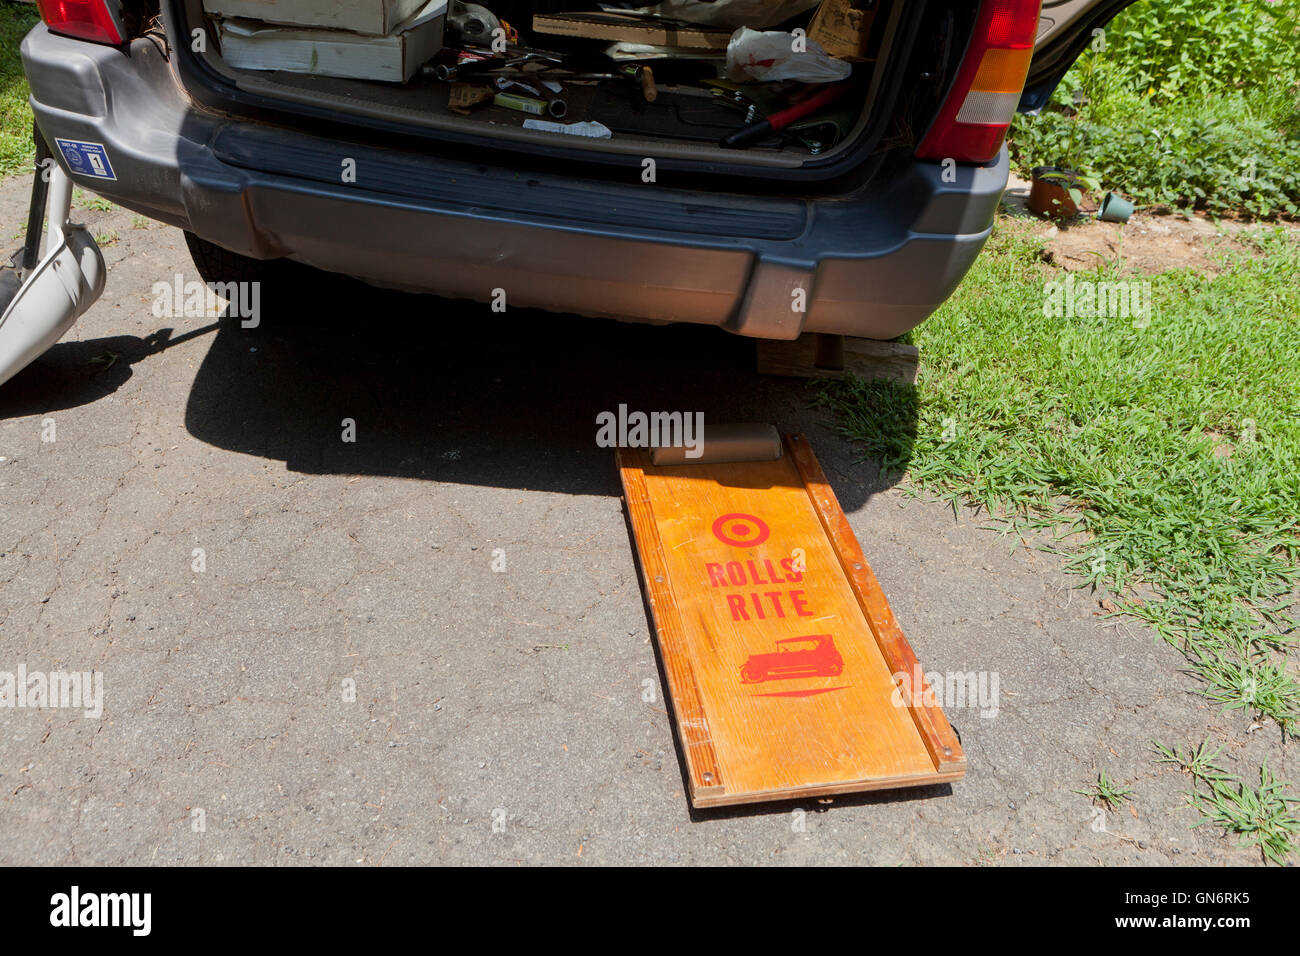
[(1065, 28)]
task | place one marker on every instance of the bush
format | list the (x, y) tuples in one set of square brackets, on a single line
[(1212, 154), (1173, 46), (1190, 104)]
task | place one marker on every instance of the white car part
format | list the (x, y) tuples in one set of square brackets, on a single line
[(62, 286)]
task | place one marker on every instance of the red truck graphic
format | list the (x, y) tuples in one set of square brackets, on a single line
[(813, 655)]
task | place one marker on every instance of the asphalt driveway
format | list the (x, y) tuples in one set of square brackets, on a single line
[(347, 680)]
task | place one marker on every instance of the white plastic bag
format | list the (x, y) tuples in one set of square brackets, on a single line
[(772, 55)]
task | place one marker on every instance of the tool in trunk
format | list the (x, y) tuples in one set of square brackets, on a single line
[(775, 122)]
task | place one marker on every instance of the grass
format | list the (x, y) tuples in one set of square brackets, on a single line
[(85, 200), (1162, 456), (15, 115), (1107, 794), (1198, 762), (1164, 459), (1264, 816)]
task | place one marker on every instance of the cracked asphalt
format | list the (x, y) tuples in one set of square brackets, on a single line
[(346, 680)]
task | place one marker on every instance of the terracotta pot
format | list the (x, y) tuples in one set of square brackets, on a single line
[(1050, 197)]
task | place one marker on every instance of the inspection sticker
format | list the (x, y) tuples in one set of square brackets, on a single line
[(88, 159)]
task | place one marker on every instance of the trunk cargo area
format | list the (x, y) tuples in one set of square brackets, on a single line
[(552, 64)]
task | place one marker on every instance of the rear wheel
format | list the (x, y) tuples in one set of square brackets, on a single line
[(288, 290), (216, 264)]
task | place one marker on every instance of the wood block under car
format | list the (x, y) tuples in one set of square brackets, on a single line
[(815, 355)]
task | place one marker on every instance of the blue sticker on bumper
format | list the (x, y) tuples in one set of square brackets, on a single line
[(86, 159)]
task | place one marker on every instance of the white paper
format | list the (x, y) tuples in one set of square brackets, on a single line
[(590, 129)]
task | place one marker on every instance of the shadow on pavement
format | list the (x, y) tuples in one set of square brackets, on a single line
[(72, 374), (448, 390)]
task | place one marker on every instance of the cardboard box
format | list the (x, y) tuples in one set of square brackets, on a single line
[(254, 45), (629, 27), (841, 29), (361, 16)]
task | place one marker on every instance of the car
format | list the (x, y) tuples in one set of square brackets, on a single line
[(270, 171), (812, 655)]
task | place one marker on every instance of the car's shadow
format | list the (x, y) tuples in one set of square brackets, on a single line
[(452, 391)]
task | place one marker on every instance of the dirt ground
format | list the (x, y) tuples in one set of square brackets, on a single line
[(1148, 243)]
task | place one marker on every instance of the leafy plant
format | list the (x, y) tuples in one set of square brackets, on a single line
[(1177, 46), (1189, 104)]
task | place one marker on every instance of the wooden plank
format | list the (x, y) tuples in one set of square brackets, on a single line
[(838, 356), (780, 686), (940, 740), (688, 708), (618, 26)]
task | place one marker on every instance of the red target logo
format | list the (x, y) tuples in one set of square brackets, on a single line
[(741, 530)]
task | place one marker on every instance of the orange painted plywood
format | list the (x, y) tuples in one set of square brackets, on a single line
[(780, 685)]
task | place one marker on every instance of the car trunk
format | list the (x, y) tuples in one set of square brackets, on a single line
[(892, 94)]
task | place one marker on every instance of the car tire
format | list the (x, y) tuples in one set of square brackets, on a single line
[(290, 291), (216, 264)]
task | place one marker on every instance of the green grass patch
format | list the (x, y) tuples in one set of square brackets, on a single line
[(84, 200), (1264, 816), (1162, 454), (15, 115)]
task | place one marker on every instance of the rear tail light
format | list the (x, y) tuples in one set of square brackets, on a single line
[(97, 20), (982, 102)]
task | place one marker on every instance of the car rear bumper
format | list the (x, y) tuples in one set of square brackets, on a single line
[(874, 264)]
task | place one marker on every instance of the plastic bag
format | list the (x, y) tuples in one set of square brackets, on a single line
[(730, 13), (771, 55)]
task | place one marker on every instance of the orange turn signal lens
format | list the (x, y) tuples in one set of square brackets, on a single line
[(1002, 71)]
